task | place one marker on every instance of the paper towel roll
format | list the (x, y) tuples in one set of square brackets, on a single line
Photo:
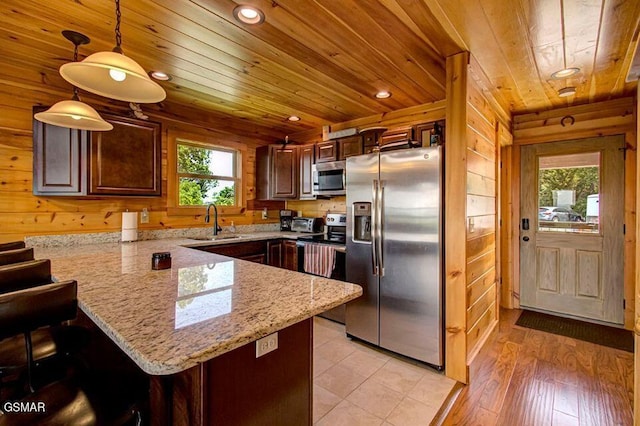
[(129, 226)]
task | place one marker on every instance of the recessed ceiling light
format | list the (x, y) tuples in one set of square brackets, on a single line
[(159, 75), (383, 94), (567, 72), (248, 14), (566, 91), (294, 118)]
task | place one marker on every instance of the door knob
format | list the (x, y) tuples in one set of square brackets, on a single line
[(525, 239)]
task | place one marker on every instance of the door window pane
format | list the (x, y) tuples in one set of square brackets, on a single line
[(568, 193)]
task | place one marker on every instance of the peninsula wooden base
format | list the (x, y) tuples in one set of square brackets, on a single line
[(237, 388)]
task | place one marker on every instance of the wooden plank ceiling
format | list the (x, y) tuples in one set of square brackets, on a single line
[(323, 60)]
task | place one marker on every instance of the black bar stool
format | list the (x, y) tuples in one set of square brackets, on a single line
[(46, 343), (71, 401)]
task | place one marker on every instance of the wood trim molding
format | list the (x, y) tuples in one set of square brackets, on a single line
[(205, 140), (455, 212)]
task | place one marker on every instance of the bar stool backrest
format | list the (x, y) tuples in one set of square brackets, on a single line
[(25, 310), (21, 275), (12, 245), (15, 256)]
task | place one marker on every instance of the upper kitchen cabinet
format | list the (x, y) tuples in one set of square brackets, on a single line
[(326, 151), (126, 160), (306, 154), (397, 135), (277, 172), (59, 159), (123, 161), (349, 146)]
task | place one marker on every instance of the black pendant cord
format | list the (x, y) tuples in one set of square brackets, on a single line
[(118, 49), (75, 59)]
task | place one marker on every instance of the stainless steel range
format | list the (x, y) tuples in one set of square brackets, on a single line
[(335, 236)]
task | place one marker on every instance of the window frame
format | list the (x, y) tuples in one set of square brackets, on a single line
[(173, 176)]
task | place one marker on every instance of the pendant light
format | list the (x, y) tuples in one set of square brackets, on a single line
[(114, 75), (74, 114)]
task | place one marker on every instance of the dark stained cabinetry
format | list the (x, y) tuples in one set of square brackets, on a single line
[(278, 253), (306, 154), (124, 161), (276, 172), (350, 146), (274, 253), (289, 255), (253, 251), (398, 135), (326, 151), (59, 159)]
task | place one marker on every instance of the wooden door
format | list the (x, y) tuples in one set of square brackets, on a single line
[(306, 171), (126, 160), (59, 159), (284, 172), (348, 147), (571, 248), (326, 151)]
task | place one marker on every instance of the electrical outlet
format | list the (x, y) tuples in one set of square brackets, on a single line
[(144, 216), (264, 214), (266, 344)]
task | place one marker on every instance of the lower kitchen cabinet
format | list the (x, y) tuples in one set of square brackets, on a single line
[(253, 251), (278, 253), (274, 249), (289, 255)]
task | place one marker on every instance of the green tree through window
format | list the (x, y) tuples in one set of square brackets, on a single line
[(207, 175)]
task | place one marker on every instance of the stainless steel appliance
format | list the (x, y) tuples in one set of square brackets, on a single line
[(394, 250), (306, 224), (286, 217), (336, 236), (329, 178)]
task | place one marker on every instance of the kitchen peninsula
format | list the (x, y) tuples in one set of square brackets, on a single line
[(191, 327)]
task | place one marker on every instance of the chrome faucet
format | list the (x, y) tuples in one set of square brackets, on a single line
[(216, 228)]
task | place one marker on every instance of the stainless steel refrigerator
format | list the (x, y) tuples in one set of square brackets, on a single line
[(394, 250)]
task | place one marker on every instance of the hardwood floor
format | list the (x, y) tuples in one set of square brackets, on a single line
[(527, 377)]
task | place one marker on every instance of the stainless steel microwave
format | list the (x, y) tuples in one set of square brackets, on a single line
[(329, 178)]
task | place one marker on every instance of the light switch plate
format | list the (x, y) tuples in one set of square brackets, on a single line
[(266, 344)]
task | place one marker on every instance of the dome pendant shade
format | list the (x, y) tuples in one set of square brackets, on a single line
[(75, 115), (93, 75)]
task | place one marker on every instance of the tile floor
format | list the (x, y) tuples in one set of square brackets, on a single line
[(355, 384)]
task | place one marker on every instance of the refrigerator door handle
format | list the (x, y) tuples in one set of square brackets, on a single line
[(374, 219), (380, 238)]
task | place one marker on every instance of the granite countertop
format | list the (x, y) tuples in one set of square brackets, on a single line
[(170, 320)]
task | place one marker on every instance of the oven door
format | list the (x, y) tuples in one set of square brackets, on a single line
[(329, 178), (338, 313)]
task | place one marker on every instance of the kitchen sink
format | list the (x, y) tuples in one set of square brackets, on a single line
[(218, 238)]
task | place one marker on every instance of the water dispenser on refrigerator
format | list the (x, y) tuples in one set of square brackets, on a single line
[(361, 222)]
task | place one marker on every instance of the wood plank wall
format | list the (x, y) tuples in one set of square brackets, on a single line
[(615, 117), (22, 213), (636, 285), (486, 130), (476, 127)]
